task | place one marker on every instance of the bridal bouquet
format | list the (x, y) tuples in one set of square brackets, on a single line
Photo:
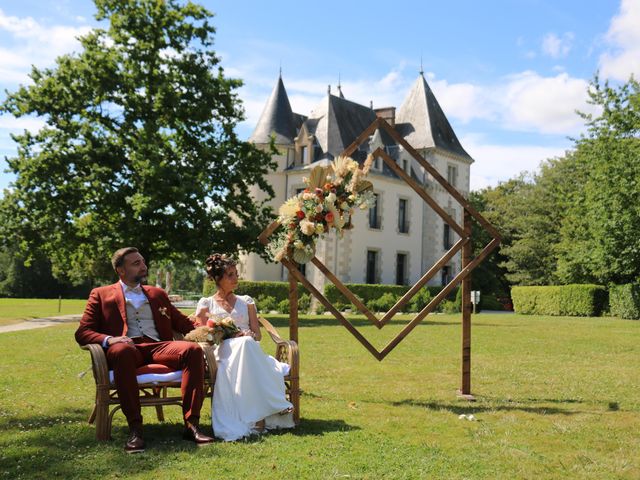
[(328, 202), (215, 331)]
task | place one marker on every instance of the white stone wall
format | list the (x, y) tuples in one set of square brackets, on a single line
[(347, 257)]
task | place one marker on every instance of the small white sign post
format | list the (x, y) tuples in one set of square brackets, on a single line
[(475, 299)]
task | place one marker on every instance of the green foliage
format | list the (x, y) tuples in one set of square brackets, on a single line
[(265, 304), (367, 292), (304, 302), (489, 302), (284, 306), (625, 301), (449, 306), (383, 303), (575, 300), (139, 147), (278, 290), (34, 280), (578, 219), (420, 300)]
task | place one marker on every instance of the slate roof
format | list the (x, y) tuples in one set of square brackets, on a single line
[(277, 118), (423, 124), (336, 122)]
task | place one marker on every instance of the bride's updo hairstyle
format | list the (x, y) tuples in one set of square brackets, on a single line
[(217, 264)]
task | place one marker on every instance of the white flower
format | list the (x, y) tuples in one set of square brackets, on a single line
[(298, 244), (308, 196), (319, 208), (331, 198), (307, 227)]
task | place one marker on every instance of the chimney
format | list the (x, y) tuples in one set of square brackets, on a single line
[(388, 114)]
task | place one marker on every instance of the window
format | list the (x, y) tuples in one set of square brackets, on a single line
[(304, 154), (401, 269), (303, 268), (372, 265), (452, 174), (403, 224), (374, 213), (446, 237), (377, 164), (405, 165), (446, 275)]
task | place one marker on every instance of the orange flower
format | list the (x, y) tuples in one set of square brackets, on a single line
[(300, 214), (328, 186), (329, 217)]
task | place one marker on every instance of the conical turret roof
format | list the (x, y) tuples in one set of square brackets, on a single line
[(277, 118), (423, 124)]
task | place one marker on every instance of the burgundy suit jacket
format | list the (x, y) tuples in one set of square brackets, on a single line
[(106, 315)]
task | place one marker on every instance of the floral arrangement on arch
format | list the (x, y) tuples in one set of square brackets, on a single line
[(329, 201)]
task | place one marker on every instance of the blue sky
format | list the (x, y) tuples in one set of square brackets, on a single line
[(509, 74)]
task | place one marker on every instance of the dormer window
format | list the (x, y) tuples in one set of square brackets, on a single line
[(405, 165), (304, 154), (377, 164)]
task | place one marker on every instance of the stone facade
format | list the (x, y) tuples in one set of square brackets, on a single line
[(381, 248)]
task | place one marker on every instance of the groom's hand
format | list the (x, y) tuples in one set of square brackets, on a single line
[(113, 340)]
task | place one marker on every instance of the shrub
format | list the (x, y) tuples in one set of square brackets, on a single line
[(419, 300), (277, 290), (489, 302), (625, 301), (575, 300), (383, 303), (304, 302), (266, 304), (450, 306), (284, 306)]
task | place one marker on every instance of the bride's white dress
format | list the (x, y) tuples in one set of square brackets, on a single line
[(249, 384)]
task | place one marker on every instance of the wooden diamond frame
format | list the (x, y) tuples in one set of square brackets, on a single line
[(463, 277)]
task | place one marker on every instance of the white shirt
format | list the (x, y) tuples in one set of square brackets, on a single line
[(134, 295)]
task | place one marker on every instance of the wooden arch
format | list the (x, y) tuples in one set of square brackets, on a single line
[(463, 277)]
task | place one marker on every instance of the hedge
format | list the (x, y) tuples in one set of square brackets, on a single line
[(574, 300), (368, 292), (625, 301), (278, 290)]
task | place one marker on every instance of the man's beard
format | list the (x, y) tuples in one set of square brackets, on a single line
[(141, 279)]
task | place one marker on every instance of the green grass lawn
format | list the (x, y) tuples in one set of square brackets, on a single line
[(556, 398), (14, 310)]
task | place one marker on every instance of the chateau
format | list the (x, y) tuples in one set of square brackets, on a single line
[(400, 238)]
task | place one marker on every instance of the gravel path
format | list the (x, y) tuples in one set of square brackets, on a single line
[(40, 322)]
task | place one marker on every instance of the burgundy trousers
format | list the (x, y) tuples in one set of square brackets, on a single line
[(125, 358)]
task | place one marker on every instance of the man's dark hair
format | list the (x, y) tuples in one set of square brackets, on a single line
[(117, 260)]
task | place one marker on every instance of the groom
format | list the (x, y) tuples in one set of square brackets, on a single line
[(134, 323)]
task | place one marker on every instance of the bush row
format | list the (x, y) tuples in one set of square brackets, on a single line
[(574, 300), (624, 301), (278, 290)]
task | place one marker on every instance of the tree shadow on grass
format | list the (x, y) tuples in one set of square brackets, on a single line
[(468, 408)]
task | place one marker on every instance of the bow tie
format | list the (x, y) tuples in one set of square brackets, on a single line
[(137, 289)]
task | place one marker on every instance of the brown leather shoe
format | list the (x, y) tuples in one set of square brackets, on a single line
[(192, 433), (135, 442)]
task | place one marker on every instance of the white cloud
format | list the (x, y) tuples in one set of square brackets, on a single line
[(531, 102), (33, 124), (498, 163), (555, 46), (623, 37), (33, 43)]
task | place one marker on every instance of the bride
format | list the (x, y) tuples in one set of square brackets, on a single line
[(249, 393)]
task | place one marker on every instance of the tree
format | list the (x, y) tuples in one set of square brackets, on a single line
[(601, 233), (138, 149)]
